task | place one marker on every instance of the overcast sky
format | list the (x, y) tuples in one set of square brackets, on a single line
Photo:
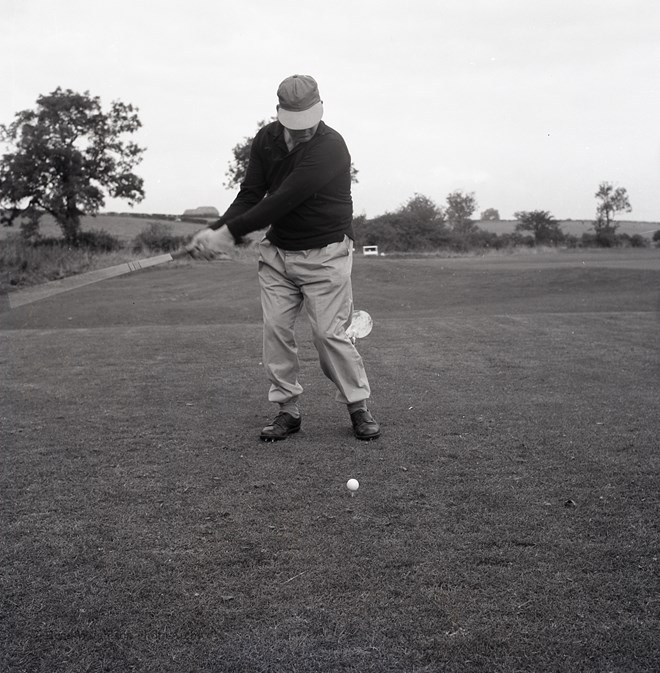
[(529, 104)]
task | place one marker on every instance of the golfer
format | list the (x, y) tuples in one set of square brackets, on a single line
[(298, 184)]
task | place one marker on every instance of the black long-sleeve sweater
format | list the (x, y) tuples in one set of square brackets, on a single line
[(303, 194)]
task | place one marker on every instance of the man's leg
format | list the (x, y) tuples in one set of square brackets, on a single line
[(324, 276), (281, 301)]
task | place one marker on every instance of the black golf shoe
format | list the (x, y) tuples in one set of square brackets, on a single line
[(282, 426), (364, 424)]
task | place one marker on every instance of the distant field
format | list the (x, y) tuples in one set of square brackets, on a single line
[(126, 228), (577, 227), (507, 519)]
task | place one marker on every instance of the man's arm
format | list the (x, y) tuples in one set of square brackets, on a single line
[(253, 188), (217, 239)]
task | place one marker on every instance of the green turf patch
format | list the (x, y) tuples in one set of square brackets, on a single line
[(505, 521)]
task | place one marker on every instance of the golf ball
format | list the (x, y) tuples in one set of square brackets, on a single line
[(352, 484)]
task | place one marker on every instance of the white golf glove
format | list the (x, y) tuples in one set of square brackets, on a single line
[(213, 243)]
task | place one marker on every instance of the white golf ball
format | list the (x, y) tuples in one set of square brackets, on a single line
[(352, 484)]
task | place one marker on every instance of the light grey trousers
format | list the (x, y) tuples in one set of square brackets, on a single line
[(319, 279)]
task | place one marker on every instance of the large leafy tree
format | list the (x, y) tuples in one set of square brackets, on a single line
[(237, 168), (65, 156), (541, 224), (420, 209)]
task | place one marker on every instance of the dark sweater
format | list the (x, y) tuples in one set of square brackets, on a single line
[(304, 195)]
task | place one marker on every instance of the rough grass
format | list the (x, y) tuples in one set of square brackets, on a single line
[(25, 265), (506, 520)]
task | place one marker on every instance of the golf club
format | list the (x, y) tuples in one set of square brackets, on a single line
[(31, 294)]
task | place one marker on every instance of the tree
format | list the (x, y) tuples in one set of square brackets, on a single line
[(611, 201), (656, 237), (422, 210), (417, 225), (541, 224), (490, 215), (65, 156), (459, 211), (237, 168)]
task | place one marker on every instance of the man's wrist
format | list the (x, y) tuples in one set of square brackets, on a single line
[(238, 239)]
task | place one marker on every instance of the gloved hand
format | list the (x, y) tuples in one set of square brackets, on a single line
[(212, 243)]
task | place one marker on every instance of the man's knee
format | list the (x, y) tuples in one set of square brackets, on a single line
[(279, 331)]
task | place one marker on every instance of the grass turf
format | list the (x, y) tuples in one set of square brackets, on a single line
[(506, 520)]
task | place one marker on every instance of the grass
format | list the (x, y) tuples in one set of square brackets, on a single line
[(506, 520)]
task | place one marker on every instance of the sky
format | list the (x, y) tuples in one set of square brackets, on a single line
[(528, 104)]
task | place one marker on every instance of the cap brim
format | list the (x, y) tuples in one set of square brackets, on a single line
[(298, 121)]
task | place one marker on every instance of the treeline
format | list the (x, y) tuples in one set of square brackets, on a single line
[(147, 216), (420, 225), (163, 216)]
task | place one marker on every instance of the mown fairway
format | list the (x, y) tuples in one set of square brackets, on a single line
[(506, 521)]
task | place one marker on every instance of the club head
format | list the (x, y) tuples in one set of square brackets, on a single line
[(361, 325)]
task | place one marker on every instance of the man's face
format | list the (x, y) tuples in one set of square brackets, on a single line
[(302, 136)]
